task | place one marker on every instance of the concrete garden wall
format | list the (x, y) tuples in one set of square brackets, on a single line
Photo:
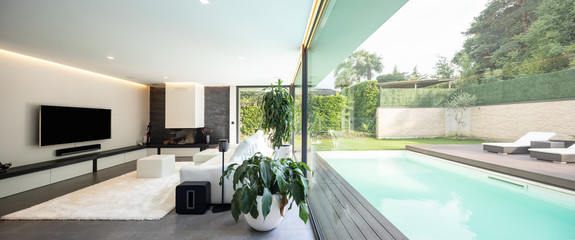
[(502, 122)]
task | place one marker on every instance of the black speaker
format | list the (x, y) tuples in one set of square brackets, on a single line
[(66, 151), (223, 145), (192, 197)]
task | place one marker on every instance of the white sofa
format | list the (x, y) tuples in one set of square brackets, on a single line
[(211, 169)]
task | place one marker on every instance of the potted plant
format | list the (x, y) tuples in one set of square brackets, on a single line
[(262, 188), (278, 117)]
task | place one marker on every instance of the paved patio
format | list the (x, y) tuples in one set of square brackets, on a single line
[(519, 165)]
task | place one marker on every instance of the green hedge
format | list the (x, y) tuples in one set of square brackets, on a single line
[(250, 113), (325, 112), (422, 97), (363, 102), (548, 86)]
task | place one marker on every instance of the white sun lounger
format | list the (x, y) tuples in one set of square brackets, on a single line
[(559, 155), (520, 146)]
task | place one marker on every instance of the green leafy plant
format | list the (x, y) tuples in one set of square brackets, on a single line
[(263, 176), (458, 105), (278, 114)]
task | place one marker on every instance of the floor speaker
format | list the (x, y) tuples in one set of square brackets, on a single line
[(192, 197)]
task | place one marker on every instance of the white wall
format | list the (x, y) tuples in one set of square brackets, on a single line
[(502, 122), (508, 122), (410, 122), (233, 115), (27, 83)]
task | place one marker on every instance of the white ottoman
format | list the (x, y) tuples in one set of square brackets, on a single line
[(156, 166)]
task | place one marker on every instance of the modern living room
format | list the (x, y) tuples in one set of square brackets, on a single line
[(121, 58), (128, 60)]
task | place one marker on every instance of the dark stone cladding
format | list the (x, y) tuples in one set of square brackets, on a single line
[(216, 115), (158, 133), (217, 112)]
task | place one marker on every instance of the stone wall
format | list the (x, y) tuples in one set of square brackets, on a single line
[(508, 122), (410, 122), (217, 112), (503, 122)]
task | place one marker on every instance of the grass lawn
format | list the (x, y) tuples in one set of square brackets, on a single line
[(359, 144)]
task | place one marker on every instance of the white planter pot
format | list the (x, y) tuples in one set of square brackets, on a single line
[(283, 152), (272, 220)]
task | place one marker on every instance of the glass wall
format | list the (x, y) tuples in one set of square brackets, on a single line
[(362, 62), (249, 112), (297, 135)]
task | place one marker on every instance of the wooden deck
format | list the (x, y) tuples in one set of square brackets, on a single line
[(340, 212), (519, 165)]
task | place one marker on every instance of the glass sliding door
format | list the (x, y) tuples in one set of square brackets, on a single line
[(249, 112)]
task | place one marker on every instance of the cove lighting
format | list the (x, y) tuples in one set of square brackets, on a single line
[(2, 51)]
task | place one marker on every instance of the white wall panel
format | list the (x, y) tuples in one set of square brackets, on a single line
[(181, 152), (110, 161), (70, 171), (23, 183), (135, 155)]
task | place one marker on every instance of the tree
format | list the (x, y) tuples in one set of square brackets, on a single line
[(551, 38), (443, 68), (458, 105), (493, 35), (367, 63), (395, 76), (357, 65), (346, 75), (416, 75)]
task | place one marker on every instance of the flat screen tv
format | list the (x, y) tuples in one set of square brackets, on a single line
[(73, 124)]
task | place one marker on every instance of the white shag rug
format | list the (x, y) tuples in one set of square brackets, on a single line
[(122, 198)]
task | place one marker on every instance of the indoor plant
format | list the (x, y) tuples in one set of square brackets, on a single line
[(263, 180), (278, 116)]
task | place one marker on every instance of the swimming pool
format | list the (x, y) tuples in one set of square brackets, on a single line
[(430, 198)]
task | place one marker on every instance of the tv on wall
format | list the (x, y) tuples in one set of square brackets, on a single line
[(60, 124)]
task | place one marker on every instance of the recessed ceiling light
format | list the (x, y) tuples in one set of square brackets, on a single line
[(110, 57), (205, 1), (165, 77), (241, 58)]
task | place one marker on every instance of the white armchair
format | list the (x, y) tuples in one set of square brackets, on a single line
[(211, 170)]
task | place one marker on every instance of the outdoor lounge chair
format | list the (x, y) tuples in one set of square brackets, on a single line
[(559, 155), (520, 146)]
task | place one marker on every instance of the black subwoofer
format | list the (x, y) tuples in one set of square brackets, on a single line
[(192, 197)]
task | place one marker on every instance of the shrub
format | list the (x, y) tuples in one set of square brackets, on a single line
[(325, 112), (363, 105)]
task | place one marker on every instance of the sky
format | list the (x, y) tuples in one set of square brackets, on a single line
[(418, 33)]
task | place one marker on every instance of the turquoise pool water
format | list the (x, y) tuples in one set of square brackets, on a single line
[(430, 198)]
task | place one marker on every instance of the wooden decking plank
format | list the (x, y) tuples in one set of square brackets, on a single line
[(375, 220), (331, 229), (370, 228), (320, 206), (340, 209)]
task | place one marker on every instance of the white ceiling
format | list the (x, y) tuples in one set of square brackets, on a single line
[(183, 40)]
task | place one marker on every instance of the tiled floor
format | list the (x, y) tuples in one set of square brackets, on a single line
[(173, 226)]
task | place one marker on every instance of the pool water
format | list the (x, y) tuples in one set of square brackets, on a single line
[(430, 198)]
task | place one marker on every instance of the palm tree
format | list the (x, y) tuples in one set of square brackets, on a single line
[(357, 65), (366, 63), (345, 77)]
